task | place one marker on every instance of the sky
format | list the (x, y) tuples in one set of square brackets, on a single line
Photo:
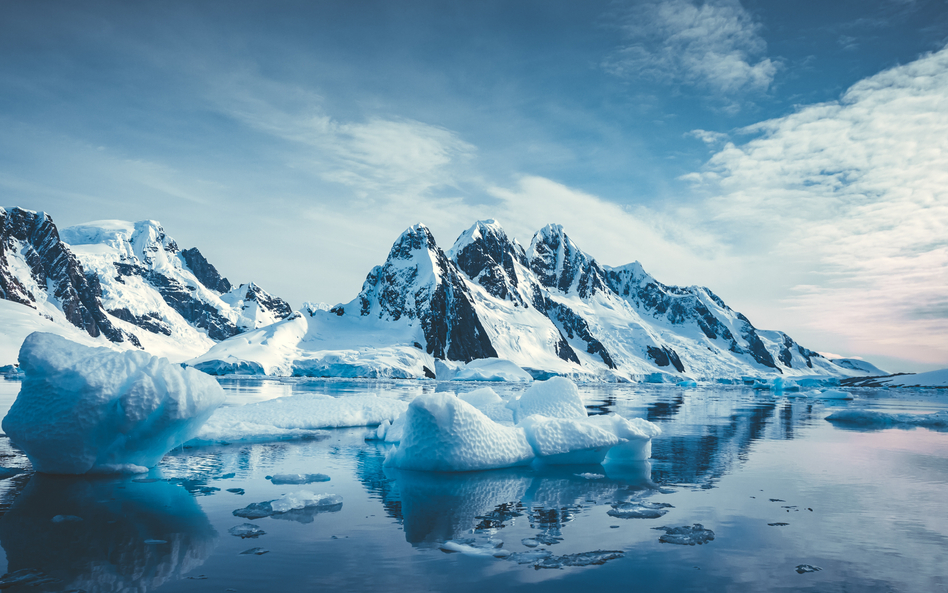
[(792, 157)]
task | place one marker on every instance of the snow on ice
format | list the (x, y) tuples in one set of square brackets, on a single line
[(83, 409)]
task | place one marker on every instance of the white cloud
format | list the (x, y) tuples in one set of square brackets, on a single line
[(713, 46), (856, 192)]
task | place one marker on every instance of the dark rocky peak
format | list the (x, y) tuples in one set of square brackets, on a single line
[(419, 282), (280, 308), (560, 265), (488, 257), (205, 272), (34, 239)]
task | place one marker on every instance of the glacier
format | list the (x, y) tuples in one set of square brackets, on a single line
[(84, 409)]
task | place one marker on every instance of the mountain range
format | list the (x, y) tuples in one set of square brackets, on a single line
[(549, 308)]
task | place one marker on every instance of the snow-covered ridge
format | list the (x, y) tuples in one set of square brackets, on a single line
[(551, 309), (122, 282)]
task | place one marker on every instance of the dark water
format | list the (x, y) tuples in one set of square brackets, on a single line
[(777, 484)]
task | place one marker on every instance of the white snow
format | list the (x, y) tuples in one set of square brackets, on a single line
[(18, 321), (83, 409), (937, 378), (489, 369), (294, 417), (444, 433), (557, 397)]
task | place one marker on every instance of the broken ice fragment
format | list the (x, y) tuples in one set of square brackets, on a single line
[(639, 510), (255, 551), (804, 568), (685, 535), (246, 530), (296, 501), (298, 478)]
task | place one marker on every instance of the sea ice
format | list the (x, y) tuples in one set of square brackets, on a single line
[(879, 420), (245, 530), (302, 500), (82, 409), (295, 417), (555, 398), (298, 478), (639, 510), (685, 535), (444, 433)]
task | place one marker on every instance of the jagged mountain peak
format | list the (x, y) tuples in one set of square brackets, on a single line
[(143, 242), (561, 265), (488, 256)]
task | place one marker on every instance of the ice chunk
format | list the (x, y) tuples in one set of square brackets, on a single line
[(303, 500), (546, 559), (805, 568), (872, 419), (83, 409), (687, 383), (635, 436), (558, 441), (472, 547), (444, 433), (245, 530), (256, 551), (555, 398), (491, 369), (298, 478), (833, 394), (294, 417), (481, 398), (639, 510), (685, 535)]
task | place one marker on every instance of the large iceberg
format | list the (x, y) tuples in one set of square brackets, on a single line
[(447, 433), (83, 409)]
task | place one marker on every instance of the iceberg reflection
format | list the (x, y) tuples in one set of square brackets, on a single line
[(104, 534)]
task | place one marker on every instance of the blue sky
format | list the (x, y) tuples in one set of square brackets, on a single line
[(790, 156)]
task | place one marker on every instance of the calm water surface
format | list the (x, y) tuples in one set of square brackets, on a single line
[(777, 484)]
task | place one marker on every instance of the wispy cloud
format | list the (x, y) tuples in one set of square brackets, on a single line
[(856, 189), (713, 46)]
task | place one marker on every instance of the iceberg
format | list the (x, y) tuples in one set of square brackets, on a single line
[(85, 409), (445, 433), (482, 369)]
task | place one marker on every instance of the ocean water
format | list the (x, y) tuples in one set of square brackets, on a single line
[(782, 491)]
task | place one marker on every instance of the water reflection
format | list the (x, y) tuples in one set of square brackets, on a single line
[(104, 534)]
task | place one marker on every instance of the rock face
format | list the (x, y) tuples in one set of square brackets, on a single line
[(418, 281), (37, 267)]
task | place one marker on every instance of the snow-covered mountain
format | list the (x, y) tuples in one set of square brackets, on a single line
[(550, 308), (120, 282)]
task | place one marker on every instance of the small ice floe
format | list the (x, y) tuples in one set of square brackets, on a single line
[(236, 490), (298, 478), (685, 535), (245, 530), (804, 568), (83, 409), (303, 500), (687, 383), (778, 524), (590, 476), (546, 559), (474, 547), (639, 510), (66, 519), (255, 552), (833, 394), (871, 419)]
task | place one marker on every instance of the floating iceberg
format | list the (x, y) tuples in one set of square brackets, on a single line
[(298, 506), (686, 535), (297, 478), (443, 432), (84, 409), (482, 369)]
